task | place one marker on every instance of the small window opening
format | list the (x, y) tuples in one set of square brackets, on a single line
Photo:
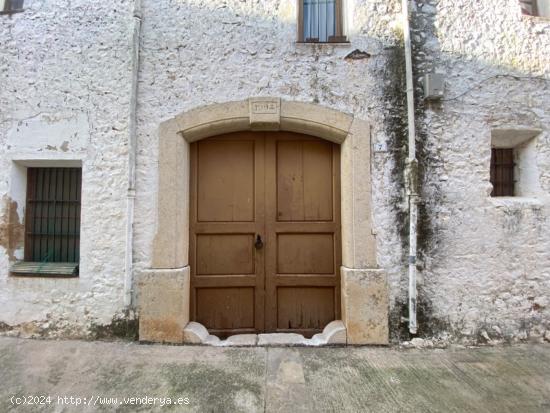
[(539, 8), (320, 21), (514, 165), (502, 171), (11, 6)]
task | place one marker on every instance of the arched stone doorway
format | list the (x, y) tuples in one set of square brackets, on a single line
[(164, 291)]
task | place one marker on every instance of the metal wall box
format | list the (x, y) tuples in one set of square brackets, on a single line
[(434, 86)]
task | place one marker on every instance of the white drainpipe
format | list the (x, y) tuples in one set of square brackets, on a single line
[(411, 171), (132, 144)]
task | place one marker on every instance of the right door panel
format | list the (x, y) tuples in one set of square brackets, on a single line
[(303, 252)]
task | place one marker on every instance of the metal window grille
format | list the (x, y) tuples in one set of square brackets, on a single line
[(319, 20), (528, 7), (535, 7), (502, 172), (52, 225), (11, 6)]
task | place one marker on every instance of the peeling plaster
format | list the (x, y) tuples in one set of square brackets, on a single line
[(12, 229)]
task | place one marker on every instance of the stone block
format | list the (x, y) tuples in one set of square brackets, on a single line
[(365, 306), (195, 333), (241, 340), (333, 334), (265, 113), (315, 120), (358, 241), (211, 120), (281, 339), (163, 304), (211, 340), (170, 246)]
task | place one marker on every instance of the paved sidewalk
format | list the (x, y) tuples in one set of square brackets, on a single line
[(497, 379)]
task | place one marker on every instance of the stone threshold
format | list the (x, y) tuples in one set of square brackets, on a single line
[(333, 334)]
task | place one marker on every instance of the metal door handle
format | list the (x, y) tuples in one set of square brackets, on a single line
[(259, 243)]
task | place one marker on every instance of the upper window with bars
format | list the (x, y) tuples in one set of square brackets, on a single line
[(539, 8), (11, 6), (320, 21)]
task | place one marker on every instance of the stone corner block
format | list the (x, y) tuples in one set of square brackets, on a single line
[(195, 333), (333, 334), (365, 306), (163, 304)]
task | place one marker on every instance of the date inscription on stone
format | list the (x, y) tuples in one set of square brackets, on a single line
[(265, 113), (265, 107)]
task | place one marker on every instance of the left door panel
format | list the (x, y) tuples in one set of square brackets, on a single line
[(226, 216)]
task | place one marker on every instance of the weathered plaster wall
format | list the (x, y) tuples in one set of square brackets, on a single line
[(195, 53), (482, 264), (64, 95), (485, 263)]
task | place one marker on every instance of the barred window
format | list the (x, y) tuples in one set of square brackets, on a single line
[(502, 172), (320, 21), (52, 224), (11, 6)]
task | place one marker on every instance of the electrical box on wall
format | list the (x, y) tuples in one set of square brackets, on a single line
[(434, 86)]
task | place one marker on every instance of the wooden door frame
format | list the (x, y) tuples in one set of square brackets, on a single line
[(364, 289)]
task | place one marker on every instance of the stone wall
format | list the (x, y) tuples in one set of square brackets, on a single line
[(485, 262), (484, 265), (203, 52), (65, 78)]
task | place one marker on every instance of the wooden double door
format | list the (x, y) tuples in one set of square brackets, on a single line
[(265, 243)]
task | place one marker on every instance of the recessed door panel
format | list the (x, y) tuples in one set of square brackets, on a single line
[(225, 180), (304, 180), (219, 254), (226, 308), (305, 253), (309, 308)]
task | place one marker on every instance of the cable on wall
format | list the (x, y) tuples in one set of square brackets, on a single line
[(495, 77)]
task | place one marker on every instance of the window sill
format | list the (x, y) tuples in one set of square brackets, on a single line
[(516, 202), (338, 41), (47, 270), (10, 12), (536, 18)]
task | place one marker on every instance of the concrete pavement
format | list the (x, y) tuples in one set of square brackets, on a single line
[(128, 377)]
